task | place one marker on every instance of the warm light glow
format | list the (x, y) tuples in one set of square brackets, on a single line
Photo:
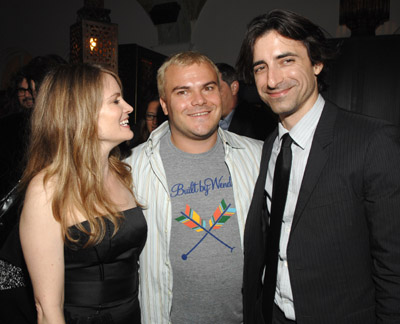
[(93, 43)]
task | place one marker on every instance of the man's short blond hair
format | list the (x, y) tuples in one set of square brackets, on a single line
[(182, 59)]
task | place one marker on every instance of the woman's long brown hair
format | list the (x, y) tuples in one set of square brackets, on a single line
[(64, 145)]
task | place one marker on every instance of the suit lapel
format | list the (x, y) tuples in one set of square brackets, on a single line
[(317, 159)]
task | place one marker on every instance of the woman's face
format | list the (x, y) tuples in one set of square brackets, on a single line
[(113, 116), (151, 115)]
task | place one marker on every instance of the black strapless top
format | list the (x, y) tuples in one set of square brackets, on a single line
[(101, 282)]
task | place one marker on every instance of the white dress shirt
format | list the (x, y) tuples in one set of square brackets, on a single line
[(302, 134)]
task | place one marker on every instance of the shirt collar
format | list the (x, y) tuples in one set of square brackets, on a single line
[(224, 123), (303, 131), (229, 139)]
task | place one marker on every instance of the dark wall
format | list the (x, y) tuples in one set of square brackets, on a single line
[(365, 77), (137, 68)]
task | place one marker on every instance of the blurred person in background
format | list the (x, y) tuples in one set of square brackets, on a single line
[(153, 117), (16, 298), (239, 116)]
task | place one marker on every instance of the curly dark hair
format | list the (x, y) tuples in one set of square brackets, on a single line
[(228, 72), (290, 25)]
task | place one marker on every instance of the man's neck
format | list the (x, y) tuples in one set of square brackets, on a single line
[(192, 145), (290, 120)]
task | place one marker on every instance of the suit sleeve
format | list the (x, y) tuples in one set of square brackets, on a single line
[(382, 202)]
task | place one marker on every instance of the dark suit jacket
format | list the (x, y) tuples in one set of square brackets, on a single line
[(252, 121), (344, 247)]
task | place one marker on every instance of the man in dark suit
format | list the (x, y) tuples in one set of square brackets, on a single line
[(239, 116), (337, 242)]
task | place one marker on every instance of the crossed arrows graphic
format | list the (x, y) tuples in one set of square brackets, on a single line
[(185, 256)]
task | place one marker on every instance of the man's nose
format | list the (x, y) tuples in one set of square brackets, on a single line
[(198, 99), (274, 77)]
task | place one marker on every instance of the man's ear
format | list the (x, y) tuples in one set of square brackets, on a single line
[(318, 68), (235, 87), (164, 106)]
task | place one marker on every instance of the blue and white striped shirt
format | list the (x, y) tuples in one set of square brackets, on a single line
[(242, 156)]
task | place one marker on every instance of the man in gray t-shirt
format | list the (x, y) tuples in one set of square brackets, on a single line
[(205, 251), (195, 182)]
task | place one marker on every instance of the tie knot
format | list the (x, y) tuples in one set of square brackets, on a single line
[(286, 140)]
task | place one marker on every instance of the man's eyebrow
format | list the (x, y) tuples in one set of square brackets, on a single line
[(280, 56), (180, 88), (187, 87), (258, 63), (210, 83), (286, 54)]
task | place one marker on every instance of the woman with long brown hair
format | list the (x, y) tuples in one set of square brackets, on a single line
[(81, 227)]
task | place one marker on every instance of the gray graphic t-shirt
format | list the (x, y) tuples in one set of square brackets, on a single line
[(205, 251)]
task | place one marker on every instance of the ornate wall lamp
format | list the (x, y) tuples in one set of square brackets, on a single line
[(93, 38), (362, 17)]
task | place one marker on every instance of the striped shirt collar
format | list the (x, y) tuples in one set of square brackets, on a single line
[(303, 131)]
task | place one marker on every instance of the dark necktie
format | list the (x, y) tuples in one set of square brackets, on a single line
[(279, 194)]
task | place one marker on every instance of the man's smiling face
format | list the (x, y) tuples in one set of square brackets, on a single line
[(192, 102), (285, 78)]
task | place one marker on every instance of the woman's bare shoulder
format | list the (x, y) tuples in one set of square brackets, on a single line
[(38, 196), (39, 188)]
